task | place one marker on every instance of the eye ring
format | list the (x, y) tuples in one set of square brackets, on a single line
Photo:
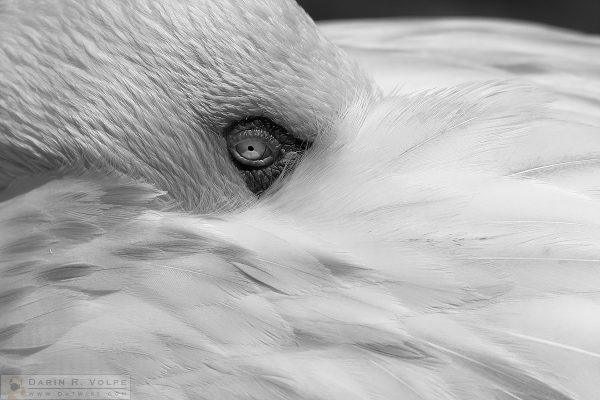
[(253, 147)]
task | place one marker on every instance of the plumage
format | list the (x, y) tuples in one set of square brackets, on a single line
[(440, 240)]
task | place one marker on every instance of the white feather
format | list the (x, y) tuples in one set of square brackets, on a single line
[(434, 245)]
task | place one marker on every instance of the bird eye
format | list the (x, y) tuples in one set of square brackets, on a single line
[(253, 147), (261, 150)]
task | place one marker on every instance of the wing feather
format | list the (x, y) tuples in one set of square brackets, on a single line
[(432, 246)]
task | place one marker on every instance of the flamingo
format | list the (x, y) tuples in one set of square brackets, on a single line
[(221, 200)]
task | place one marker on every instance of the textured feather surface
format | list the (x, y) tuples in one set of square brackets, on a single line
[(429, 54), (433, 245), (440, 243)]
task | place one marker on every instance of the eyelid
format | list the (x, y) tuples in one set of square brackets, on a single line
[(282, 150)]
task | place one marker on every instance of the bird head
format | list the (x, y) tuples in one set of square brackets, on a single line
[(169, 93)]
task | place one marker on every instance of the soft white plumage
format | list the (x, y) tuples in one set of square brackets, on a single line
[(433, 244)]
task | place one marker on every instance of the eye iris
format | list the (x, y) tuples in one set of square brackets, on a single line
[(251, 149), (254, 148)]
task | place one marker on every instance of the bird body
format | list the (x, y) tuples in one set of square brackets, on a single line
[(439, 240), (414, 55)]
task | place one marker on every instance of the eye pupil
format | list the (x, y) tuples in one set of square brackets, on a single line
[(250, 148)]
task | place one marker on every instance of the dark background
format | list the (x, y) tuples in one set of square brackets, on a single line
[(582, 15)]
